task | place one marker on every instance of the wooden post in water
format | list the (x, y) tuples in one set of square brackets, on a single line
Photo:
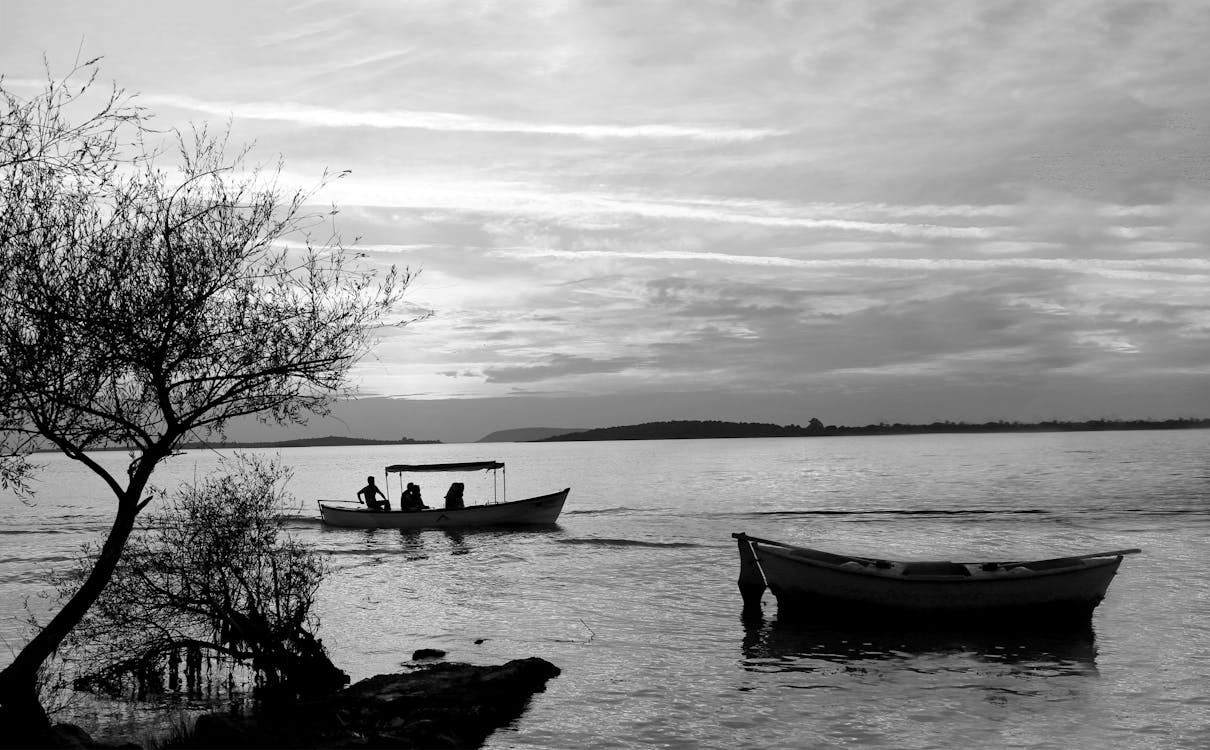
[(751, 579)]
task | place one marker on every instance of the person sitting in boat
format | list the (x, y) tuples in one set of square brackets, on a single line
[(410, 499), (370, 494), (453, 498)]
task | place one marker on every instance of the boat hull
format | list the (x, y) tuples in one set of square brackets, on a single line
[(543, 510), (819, 587)]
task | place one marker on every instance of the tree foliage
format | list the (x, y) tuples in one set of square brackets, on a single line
[(145, 303), (150, 295), (41, 145), (210, 573)]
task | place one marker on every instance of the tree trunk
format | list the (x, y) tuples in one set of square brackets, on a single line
[(20, 708), (23, 722)]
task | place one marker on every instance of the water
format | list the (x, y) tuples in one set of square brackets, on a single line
[(633, 596)]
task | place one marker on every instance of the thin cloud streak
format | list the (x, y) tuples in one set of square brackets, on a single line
[(1174, 265), (521, 199), (326, 117)]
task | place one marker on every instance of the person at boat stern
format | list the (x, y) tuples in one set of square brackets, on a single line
[(370, 494), (453, 498)]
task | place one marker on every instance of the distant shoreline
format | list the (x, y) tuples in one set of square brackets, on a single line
[(322, 442), (705, 430), (690, 430)]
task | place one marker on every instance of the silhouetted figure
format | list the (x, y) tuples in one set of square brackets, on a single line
[(410, 499), (453, 498), (370, 494)]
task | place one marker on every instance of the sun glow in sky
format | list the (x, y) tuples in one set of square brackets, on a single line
[(622, 212)]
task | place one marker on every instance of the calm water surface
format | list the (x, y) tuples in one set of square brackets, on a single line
[(633, 595)]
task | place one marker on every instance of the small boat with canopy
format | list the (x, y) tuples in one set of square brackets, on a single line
[(542, 510)]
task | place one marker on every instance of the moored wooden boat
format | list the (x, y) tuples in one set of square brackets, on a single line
[(531, 511), (822, 586)]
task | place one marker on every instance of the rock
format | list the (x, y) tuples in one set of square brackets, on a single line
[(427, 653), (440, 705), (445, 705), (72, 736), (226, 730), (67, 736)]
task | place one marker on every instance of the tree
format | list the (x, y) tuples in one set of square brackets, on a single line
[(142, 303), (210, 573)]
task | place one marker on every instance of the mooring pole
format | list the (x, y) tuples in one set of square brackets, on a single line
[(751, 579)]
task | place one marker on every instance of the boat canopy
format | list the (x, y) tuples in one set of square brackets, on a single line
[(466, 466)]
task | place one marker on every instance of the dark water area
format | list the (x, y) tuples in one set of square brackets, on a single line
[(634, 594)]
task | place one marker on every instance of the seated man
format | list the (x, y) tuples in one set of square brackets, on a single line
[(410, 499), (453, 498), (370, 494)]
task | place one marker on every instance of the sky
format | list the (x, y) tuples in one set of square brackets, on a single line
[(623, 212)]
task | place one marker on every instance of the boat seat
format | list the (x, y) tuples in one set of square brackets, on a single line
[(935, 569), (1061, 562), (825, 557)]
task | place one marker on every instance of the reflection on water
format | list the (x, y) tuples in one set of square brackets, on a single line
[(418, 544), (457, 539), (794, 647)]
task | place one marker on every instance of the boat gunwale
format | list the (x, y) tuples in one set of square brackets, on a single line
[(987, 577)]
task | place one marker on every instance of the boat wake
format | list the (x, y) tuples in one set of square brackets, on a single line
[(1099, 512), (305, 521), (601, 542), (914, 512), (623, 510)]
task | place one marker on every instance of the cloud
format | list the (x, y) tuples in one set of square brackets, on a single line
[(1196, 270), (578, 208), (558, 365), (895, 198), (326, 117)]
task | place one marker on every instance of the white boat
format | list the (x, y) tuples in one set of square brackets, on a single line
[(531, 511), (822, 586)]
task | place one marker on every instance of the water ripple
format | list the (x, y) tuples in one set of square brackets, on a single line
[(916, 512), (627, 543)]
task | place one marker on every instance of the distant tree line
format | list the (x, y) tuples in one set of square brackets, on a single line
[(695, 429), (320, 442), (1091, 425), (331, 440), (692, 429)]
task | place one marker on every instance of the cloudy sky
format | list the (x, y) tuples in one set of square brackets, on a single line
[(628, 211)]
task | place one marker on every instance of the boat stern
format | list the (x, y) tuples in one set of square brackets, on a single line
[(751, 580)]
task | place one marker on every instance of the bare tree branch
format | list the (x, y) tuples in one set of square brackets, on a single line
[(146, 296)]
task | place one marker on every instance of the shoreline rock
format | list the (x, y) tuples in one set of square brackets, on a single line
[(434, 706), (442, 705)]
